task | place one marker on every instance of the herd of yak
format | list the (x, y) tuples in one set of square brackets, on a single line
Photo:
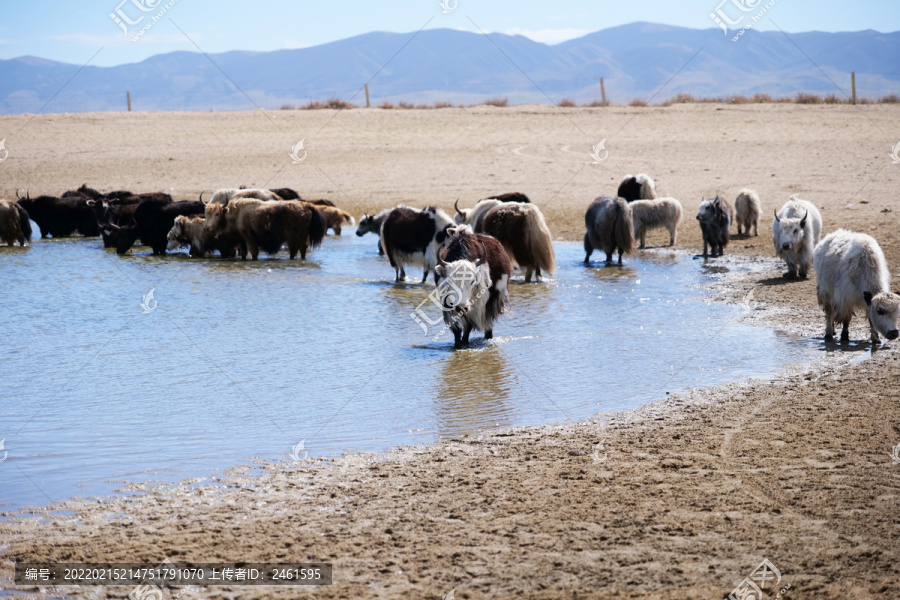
[(472, 254)]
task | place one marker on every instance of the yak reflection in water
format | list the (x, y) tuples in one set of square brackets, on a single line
[(473, 389)]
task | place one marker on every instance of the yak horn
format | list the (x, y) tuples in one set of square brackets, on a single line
[(456, 207), (17, 194), (201, 196), (483, 258), (776, 216), (440, 260), (804, 216)]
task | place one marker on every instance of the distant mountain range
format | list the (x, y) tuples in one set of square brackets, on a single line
[(442, 65)]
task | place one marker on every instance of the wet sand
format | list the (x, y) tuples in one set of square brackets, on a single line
[(680, 499)]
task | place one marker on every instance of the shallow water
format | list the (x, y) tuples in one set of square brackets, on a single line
[(241, 360)]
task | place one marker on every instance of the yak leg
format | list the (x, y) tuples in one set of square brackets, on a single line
[(845, 331), (465, 334), (588, 248), (620, 256), (425, 275), (803, 269), (528, 272), (874, 333), (792, 269), (457, 338), (380, 249), (609, 256), (755, 227), (537, 274), (672, 236), (337, 230), (829, 319), (643, 238), (252, 248), (489, 334), (705, 249)]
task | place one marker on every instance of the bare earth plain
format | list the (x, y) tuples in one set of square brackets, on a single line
[(690, 493)]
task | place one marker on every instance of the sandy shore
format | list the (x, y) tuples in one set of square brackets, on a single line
[(680, 499)]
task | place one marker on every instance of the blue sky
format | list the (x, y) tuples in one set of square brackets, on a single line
[(74, 31)]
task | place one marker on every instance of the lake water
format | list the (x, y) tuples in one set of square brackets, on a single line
[(241, 360)]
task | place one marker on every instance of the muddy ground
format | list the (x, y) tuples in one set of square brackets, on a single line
[(680, 499)]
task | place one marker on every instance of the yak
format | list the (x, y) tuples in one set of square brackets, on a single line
[(637, 187), (610, 227), (852, 274), (472, 278), (11, 224), (795, 232), (61, 217), (413, 237), (714, 216), (660, 213), (747, 211), (522, 230)]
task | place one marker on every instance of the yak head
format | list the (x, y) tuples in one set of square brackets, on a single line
[(711, 210), (883, 310), (462, 215), (793, 231), (215, 217), (177, 235), (460, 282), (366, 224), (127, 236), (110, 234)]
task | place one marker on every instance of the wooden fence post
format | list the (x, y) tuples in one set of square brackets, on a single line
[(368, 104), (853, 82), (603, 92), (128, 97)]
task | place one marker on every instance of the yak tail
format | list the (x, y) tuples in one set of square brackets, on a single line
[(648, 189), (13, 226), (540, 241), (348, 218), (623, 228), (316, 228), (24, 222)]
